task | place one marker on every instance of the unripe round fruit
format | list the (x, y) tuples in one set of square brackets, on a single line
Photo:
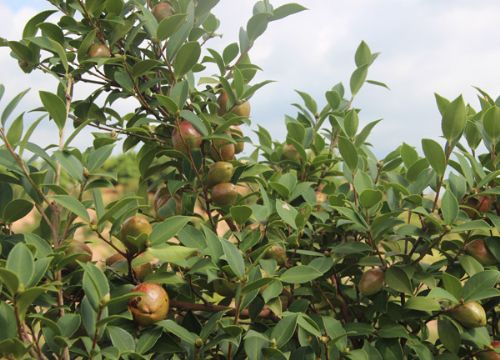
[(371, 282), (150, 307), (185, 137), (490, 354), (224, 194), (220, 172), (478, 250), (237, 135), (471, 314), (291, 153), (161, 11), (133, 231), (161, 198), (278, 253), (225, 287), (81, 250), (242, 109), (221, 149), (99, 51)]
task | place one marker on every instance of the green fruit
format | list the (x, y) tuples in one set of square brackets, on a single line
[(224, 194), (219, 172), (151, 307), (478, 250), (371, 282), (162, 11), (162, 199), (278, 253), (186, 138), (237, 135), (471, 314), (242, 109), (134, 233), (79, 251), (222, 149), (225, 287), (291, 153), (99, 51)]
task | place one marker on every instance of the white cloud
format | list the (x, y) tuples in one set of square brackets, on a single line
[(444, 46)]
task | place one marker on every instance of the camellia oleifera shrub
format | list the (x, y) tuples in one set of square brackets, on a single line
[(311, 248)]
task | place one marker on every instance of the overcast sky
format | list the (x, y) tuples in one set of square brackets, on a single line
[(426, 46)]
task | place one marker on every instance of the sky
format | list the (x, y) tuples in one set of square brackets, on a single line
[(426, 46)]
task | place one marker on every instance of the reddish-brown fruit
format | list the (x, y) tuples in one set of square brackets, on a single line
[(161, 198), (99, 51), (484, 204), (490, 354), (162, 11), (150, 307), (185, 137), (80, 251), (278, 253), (237, 135), (470, 314), (242, 109), (119, 262), (291, 153), (219, 172), (135, 232), (478, 250), (371, 282), (222, 149), (224, 194)]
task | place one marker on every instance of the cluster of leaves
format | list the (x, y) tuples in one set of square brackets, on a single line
[(326, 251)]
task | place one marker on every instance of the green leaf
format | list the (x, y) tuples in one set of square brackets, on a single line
[(95, 284), (21, 263), (8, 322), (186, 58), (470, 265), (285, 10), (398, 280), (358, 78), (370, 198), (471, 225), (452, 285), (16, 209), (73, 205), (234, 258), (300, 274), (287, 212), (449, 335), (478, 282), (168, 103), (12, 105), (257, 25), (449, 207), (172, 254), (435, 155), (230, 52), (363, 55), (241, 213), (454, 119), (168, 229), (121, 339), (55, 107), (52, 46), (15, 131), (348, 153), (491, 123), (168, 26), (27, 298), (421, 303), (70, 163), (172, 327), (31, 27), (284, 330), (10, 280)]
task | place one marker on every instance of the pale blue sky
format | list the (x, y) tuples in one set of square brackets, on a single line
[(427, 46)]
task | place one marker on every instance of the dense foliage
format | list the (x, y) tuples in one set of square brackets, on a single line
[(308, 249)]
